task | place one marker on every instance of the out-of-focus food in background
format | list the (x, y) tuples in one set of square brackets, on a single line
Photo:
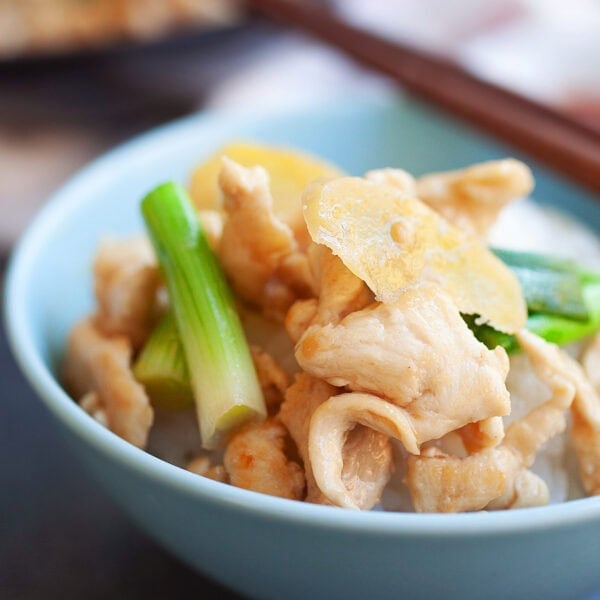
[(41, 26), (61, 106)]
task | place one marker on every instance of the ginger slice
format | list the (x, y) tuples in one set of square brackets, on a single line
[(392, 241)]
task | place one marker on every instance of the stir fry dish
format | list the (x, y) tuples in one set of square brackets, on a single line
[(360, 342)]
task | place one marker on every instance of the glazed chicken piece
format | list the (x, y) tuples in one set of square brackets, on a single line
[(441, 483), (212, 225), (482, 434), (396, 178), (255, 459), (417, 392), (585, 430), (367, 456), (99, 364), (201, 466), (272, 378), (299, 317), (472, 198), (416, 353), (498, 478), (126, 280), (340, 293), (257, 251)]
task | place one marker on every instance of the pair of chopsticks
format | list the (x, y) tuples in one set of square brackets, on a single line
[(554, 139)]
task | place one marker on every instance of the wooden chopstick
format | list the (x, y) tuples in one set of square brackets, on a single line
[(560, 142)]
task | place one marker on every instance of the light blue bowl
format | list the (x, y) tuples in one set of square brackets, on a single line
[(262, 546)]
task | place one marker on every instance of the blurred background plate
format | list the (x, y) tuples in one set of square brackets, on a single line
[(33, 28)]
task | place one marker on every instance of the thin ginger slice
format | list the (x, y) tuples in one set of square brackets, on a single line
[(392, 241)]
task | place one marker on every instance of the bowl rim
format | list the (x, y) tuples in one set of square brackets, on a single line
[(21, 340)]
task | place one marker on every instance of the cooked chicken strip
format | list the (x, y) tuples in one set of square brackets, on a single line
[(272, 378), (258, 251), (590, 360), (558, 371), (212, 225), (498, 478), (93, 407), (416, 353), (366, 453), (523, 489), (95, 363), (396, 178), (301, 400), (126, 280), (473, 197), (299, 317), (330, 427), (340, 293), (441, 483), (585, 431), (202, 466), (255, 460), (482, 434)]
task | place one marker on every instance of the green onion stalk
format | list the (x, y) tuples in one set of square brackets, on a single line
[(161, 367), (222, 375), (563, 300)]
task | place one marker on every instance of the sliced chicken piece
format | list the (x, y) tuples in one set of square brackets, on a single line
[(93, 407), (523, 489), (201, 465), (100, 364), (258, 251), (340, 293), (126, 281), (366, 454), (331, 425), (417, 353), (473, 197), (590, 360), (491, 479), (299, 316), (585, 431), (482, 434), (272, 378), (302, 398), (441, 483), (255, 459), (558, 371), (498, 478), (212, 225), (396, 178)]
